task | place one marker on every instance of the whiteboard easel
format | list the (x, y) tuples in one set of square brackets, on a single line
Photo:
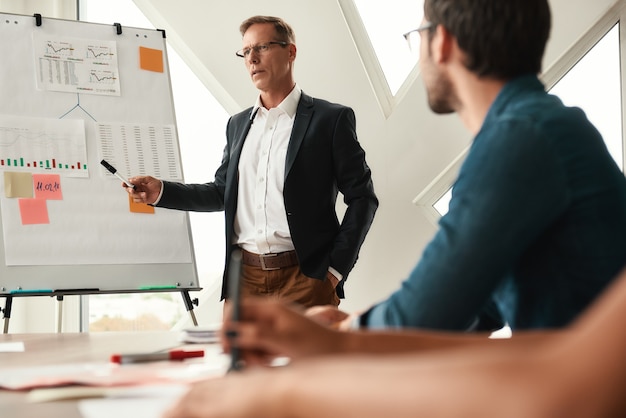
[(58, 74)]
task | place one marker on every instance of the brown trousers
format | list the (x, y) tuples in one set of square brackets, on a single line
[(287, 284)]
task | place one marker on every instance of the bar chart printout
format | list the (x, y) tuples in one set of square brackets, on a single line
[(42, 145)]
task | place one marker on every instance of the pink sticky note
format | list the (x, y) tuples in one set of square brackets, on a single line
[(47, 186), (34, 211)]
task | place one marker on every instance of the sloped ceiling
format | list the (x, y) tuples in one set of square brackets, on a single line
[(206, 34)]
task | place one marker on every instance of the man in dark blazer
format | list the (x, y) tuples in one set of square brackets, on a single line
[(285, 160)]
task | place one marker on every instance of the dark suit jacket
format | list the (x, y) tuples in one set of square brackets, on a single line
[(323, 157)]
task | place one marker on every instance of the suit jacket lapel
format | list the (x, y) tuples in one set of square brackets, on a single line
[(232, 186), (235, 151), (300, 126)]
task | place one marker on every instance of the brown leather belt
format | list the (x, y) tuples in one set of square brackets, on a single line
[(270, 261)]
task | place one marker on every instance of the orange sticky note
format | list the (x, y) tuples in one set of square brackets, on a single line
[(151, 59), (33, 211), (139, 207), (47, 186)]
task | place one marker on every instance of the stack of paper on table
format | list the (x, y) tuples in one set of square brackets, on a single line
[(201, 335)]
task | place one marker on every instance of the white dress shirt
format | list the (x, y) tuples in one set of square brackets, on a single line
[(261, 222)]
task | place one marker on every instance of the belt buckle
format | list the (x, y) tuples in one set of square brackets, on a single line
[(262, 258)]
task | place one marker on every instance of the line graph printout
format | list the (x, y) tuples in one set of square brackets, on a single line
[(76, 65), (140, 149), (43, 145)]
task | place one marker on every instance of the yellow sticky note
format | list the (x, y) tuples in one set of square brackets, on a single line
[(139, 207), (33, 211), (18, 184), (151, 59)]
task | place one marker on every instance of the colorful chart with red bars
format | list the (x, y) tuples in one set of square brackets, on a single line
[(43, 146), (47, 164)]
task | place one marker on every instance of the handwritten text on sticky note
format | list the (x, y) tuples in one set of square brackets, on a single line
[(47, 186)]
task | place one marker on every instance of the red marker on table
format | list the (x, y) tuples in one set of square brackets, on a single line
[(146, 357)]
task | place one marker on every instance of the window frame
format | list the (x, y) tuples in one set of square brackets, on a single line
[(428, 197)]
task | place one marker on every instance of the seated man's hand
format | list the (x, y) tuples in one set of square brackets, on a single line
[(327, 315), (269, 329)]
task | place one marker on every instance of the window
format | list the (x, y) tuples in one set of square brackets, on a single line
[(594, 85), (385, 23), (442, 204)]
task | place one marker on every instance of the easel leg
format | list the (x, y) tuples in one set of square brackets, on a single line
[(7, 313), (59, 313), (189, 305)]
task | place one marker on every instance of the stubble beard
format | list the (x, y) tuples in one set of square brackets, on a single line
[(441, 96)]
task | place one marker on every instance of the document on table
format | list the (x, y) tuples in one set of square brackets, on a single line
[(12, 347), (144, 402), (201, 335)]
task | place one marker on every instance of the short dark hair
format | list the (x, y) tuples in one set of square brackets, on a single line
[(501, 38), (283, 30)]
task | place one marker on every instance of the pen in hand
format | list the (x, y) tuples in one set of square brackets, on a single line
[(113, 171), (234, 284)]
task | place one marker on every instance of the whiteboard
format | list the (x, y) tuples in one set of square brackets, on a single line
[(75, 93)]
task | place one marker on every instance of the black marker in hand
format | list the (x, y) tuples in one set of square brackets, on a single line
[(113, 171)]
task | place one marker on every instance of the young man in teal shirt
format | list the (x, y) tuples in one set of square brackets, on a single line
[(537, 221)]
